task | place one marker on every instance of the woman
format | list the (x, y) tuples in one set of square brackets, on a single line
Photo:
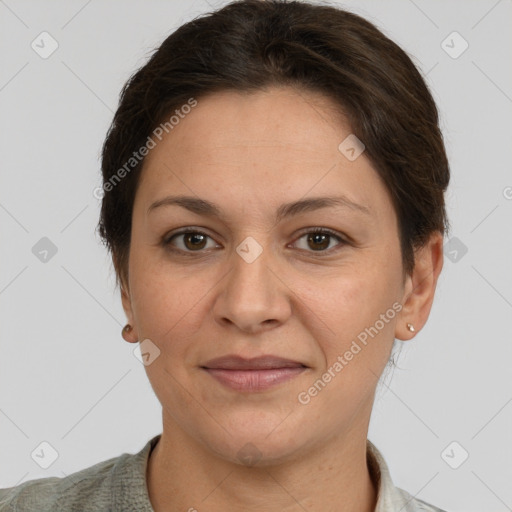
[(273, 199)]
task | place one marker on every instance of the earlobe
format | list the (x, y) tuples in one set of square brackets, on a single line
[(420, 288), (126, 333)]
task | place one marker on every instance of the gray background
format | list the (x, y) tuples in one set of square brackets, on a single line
[(66, 375)]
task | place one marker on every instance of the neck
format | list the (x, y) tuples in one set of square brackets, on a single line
[(182, 475)]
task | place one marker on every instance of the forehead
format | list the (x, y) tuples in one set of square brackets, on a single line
[(231, 125), (255, 146), (275, 116)]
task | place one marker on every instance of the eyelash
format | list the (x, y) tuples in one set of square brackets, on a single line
[(166, 241)]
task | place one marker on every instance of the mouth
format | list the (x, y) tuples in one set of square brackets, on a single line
[(250, 375), (234, 362)]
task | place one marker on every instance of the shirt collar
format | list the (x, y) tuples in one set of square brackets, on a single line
[(381, 477), (389, 497)]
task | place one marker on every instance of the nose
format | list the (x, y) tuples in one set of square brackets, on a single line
[(253, 296)]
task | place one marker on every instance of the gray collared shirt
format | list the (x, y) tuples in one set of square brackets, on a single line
[(119, 484)]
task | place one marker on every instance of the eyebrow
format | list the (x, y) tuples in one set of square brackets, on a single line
[(203, 207)]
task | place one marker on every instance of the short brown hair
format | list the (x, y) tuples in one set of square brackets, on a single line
[(248, 45)]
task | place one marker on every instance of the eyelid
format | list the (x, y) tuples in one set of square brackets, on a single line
[(319, 229)]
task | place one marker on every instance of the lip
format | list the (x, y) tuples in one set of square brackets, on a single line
[(234, 362), (255, 374)]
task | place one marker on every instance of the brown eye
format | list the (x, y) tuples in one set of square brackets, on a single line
[(194, 241), (188, 241), (320, 240)]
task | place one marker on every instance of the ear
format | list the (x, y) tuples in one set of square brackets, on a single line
[(131, 336), (420, 287)]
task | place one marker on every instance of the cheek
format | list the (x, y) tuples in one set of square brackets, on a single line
[(166, 299), (169, 310), (353, 305), (345, 297)]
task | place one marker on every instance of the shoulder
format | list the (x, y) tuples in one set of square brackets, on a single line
[(82, 490), (107, 485)]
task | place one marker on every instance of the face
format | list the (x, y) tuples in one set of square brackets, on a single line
[(257, 280)]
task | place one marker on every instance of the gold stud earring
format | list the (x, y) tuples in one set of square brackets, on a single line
[(411, 327)]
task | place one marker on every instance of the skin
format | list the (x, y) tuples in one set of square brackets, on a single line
[(305, 301)]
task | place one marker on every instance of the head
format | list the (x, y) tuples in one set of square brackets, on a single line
[(254, 113)]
